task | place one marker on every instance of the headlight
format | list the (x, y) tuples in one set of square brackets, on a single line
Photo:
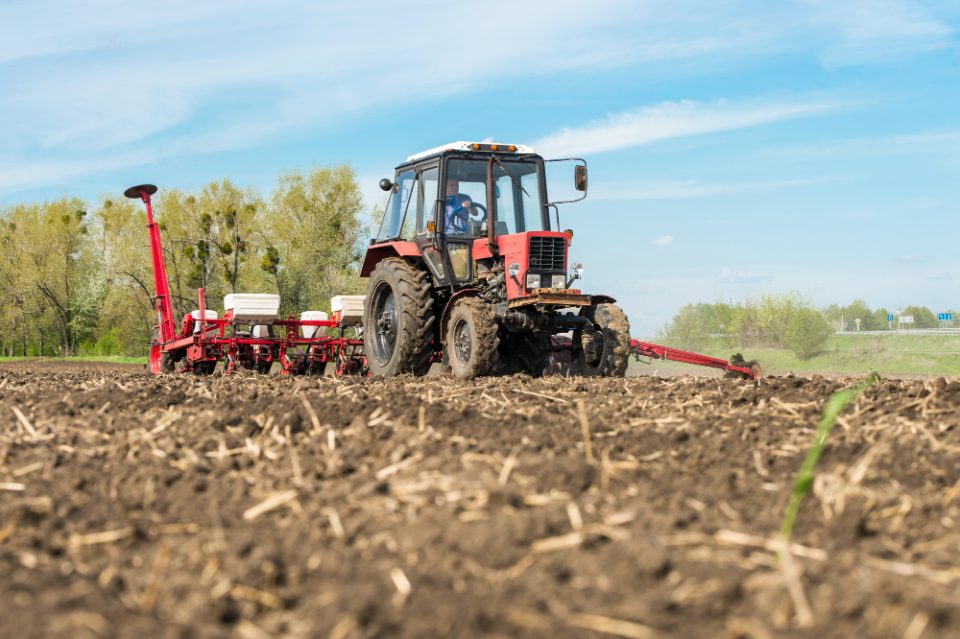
[(558, 281), (533, 281)]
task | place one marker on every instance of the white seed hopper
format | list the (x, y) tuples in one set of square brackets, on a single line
[(208, 314), (311, 316), (350, 308), (252, 308)]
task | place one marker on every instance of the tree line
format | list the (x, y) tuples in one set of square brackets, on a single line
[(783, 321), (76, 278)]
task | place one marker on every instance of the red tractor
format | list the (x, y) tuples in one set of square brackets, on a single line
[(469, 268)]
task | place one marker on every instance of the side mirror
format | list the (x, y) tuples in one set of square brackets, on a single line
[(386, 184), (580, 178)]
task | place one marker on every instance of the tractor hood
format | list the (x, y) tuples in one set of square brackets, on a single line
[(538, 259)]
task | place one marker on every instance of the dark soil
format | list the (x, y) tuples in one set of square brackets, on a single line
[(139, 506)]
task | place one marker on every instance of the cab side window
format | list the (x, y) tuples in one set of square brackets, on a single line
[(427, 185), (394, 225)]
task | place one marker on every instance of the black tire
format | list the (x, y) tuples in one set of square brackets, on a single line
[(317, 369), (398, 319), (524, 353), (167, 363), (471, 341), (205, 368), (605, 352)]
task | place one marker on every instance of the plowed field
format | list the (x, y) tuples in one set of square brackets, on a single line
[(641, 507)]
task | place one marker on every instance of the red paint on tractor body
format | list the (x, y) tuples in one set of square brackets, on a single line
[(377, 252), (513, 249)]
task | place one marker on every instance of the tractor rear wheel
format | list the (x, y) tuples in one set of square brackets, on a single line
[(605, 351), (470, 345), (398, 319)]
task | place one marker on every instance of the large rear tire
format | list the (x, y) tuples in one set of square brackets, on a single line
[(605, 351), (471, 340), (398, 320)]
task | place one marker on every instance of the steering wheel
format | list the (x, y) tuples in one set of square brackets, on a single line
[(480, 217)]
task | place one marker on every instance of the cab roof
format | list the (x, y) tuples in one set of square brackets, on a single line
[(488, 147)]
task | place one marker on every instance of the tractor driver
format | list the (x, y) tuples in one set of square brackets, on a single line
[(456, 208)]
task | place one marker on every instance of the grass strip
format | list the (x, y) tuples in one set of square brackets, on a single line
[(804, 480), (108, 359)]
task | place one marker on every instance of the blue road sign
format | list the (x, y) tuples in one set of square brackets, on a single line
[(945, 317), (889, 317)]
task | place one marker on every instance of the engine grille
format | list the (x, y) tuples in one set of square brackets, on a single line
[(547, 254)]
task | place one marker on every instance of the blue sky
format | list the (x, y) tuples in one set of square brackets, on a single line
[(735, 148)]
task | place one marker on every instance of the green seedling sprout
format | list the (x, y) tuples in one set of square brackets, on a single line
[(804, 481)]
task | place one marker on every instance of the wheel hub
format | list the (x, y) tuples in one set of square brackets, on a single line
[(385, 312), (462, 342), (593, 348)]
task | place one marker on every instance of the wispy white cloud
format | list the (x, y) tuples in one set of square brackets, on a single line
[(876, 30), (943, 142), (689, 189), (88, 82), (675, 120), (663, 240), (18, 176), (93, 81)]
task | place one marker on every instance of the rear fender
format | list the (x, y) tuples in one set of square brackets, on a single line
[(378, 252)]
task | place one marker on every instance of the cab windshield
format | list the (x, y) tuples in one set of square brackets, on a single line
[(519, 202)]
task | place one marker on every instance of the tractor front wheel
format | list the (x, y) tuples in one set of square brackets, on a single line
[(398, 320), (470, 345), (605, 351)]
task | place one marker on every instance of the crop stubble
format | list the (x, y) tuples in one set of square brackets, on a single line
[(266, 506)]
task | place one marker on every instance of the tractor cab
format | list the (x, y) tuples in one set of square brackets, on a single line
[(464, 203)]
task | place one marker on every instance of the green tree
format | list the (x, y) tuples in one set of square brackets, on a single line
[(689, 328), (694, 324), (127, 312), (228, 223), (746, 328), (923, 317), (311, 237), (869, 320), (64, 267), (16, 299), (880, 319), (806, 332), (834, 314)]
